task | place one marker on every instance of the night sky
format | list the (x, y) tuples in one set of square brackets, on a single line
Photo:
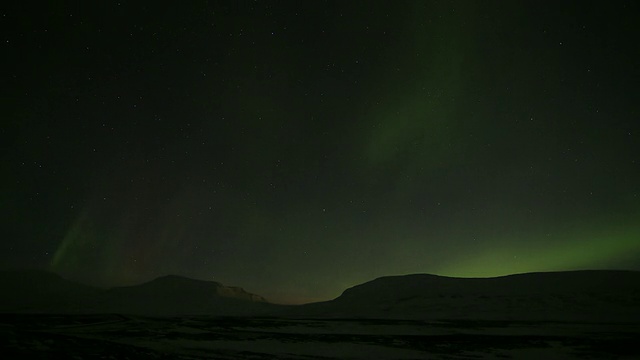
[(298, 148)]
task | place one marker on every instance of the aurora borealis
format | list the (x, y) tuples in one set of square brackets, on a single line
[(298, 148)]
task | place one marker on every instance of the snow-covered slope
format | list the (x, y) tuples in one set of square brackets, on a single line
[(180, 295)]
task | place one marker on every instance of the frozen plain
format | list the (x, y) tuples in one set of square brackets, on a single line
[(203, 337)]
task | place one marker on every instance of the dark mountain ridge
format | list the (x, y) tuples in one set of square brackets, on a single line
[(564, 282), (592, 295), (44, 292)]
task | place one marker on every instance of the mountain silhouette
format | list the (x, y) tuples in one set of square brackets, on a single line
[(180, 295), (594, 295), (45, 292)]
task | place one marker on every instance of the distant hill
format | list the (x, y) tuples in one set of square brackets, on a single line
[(554, 296), (45, 292), (180, 295), (42, 292)]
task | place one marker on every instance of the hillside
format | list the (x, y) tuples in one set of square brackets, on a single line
[(552, 296), (45, 292)]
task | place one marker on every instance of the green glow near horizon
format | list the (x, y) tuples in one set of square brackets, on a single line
[(577, 250)]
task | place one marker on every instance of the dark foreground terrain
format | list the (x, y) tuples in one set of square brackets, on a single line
[(202, 337)]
